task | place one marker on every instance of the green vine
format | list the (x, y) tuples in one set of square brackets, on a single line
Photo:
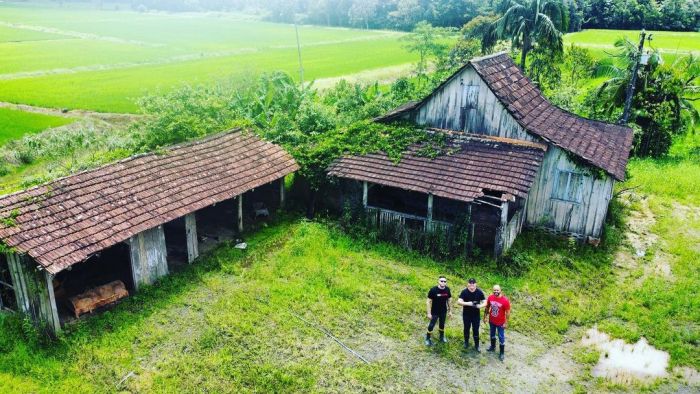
[(9, 220), (586, 167)]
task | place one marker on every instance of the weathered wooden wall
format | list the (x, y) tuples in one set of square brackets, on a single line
[(578, 219), (466, 103), (148, 256), (513, 229), (34, 292)]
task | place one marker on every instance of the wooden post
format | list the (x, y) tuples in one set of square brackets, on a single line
[(149, 256), (470, 230), (51, 309), (282, 193), (191, 235), (501, 231), (240, 213), (429, 221), (364, 194)]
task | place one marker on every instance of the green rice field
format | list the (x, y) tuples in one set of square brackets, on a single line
[(102, 60), (670, 44), (14, 123)]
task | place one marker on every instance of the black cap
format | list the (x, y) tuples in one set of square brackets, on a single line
[(471, 280)]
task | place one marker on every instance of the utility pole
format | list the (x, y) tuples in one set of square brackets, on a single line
[(301, 67), (633, 80)]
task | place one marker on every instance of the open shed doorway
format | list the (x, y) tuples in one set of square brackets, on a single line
[(176, 243), (261, 203), (110, 265), (215, 223), (8, 300)]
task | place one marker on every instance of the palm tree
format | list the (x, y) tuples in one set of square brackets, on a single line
[(657, 87), (529, 24)]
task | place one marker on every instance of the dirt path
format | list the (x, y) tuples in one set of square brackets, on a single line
[(531, 366), (382, 75), (77, 34), (73, 113)]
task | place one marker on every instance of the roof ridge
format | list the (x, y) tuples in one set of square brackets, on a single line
[(486, 57)]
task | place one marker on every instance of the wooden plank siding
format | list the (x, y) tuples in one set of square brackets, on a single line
[(580, 219), (455, 106), (148, 256), (34, 292), (448, 108)]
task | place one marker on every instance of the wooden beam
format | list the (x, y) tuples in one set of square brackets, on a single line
[(282, 193), (51, 309), (364, 194), (191, 236), (240, 213), (429, 216), (499, 245)]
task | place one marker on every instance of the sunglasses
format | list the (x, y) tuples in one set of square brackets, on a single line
[(443, 280)]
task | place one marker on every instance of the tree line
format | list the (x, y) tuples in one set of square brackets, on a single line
[(680, 15)]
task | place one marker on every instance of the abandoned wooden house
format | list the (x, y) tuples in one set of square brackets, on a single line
[(89, 239), (537, 165)]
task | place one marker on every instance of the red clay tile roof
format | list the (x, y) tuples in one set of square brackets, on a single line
[(604, 145), (601, 144), (65, 221), (479, 164)]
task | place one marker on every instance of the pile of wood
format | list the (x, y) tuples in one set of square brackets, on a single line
[(97, 297)]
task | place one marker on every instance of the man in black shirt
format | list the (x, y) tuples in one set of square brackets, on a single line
[(472, 299), (438, 304)]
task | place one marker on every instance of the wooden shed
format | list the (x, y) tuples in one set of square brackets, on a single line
[(108, 231), (484, 180)]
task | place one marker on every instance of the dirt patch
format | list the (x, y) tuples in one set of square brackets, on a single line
[(530, 366)]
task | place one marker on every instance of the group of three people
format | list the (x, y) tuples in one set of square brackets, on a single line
[(472, 299)]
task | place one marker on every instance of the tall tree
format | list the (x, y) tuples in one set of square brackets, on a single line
[(426, 40), (528, 24)]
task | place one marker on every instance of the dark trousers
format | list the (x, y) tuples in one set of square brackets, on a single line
[(437, 316), (493, 329), (471, 321)]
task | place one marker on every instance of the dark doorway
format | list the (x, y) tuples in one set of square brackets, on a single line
[(176, 243), (102, 268), (217, 222)]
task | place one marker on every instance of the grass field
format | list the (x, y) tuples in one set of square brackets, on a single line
[(104, 60), (15, 124), (669, 43)]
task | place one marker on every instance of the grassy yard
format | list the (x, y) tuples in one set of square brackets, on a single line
[(14, 123)]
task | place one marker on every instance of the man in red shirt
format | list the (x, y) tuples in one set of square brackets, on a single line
[(498, 311)]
